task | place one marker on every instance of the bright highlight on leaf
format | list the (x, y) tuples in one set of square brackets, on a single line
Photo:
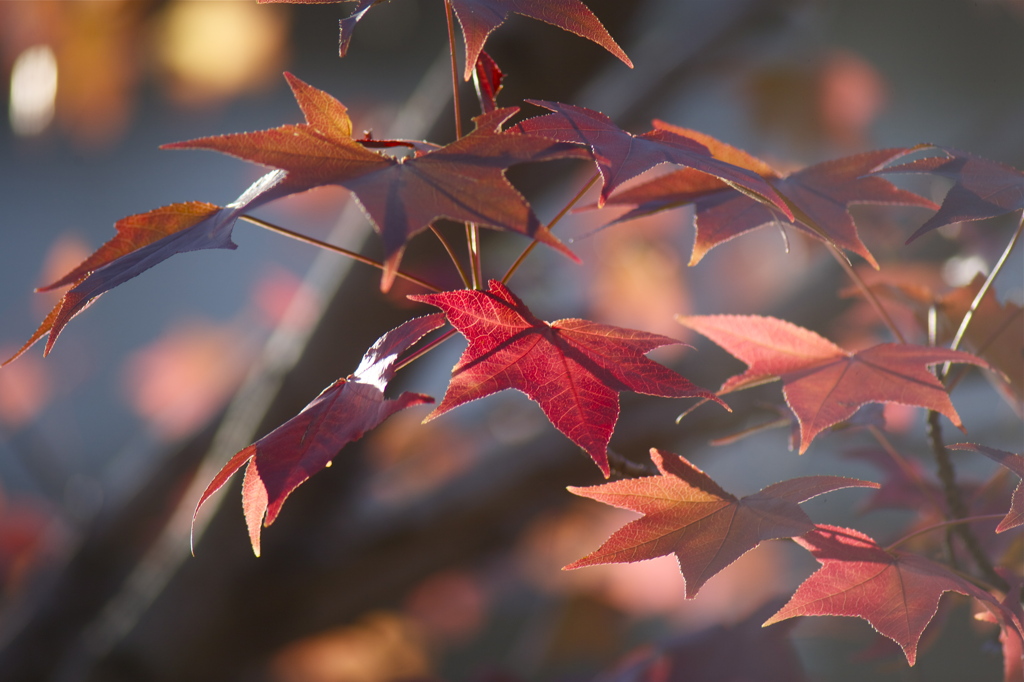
[(689, 515), (464, 181), (574, 369), (824, 384), (286, 457), (145, 240), (897, 593)]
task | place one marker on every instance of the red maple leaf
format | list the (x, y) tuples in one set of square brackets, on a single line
[(143, 241), (820, 195), (897, 593), (689, 515), (1013, 462), (463, 181), (287, 456), (981, 188), (574, 369), (479, 18), (621, 155), (824, 384)]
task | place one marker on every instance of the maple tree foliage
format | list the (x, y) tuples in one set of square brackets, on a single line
[(143, 241), (981, 188), (620, 155), (462, 181), (689, 515), (479, 18), (574, 369), (1013, 462), (897, 593), (821, 196), (824, 384), (287, 456)]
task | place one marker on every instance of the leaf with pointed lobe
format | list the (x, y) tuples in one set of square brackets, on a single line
[(143, 241), (1009, 615), (573, 369), (621, 155), (689, 515), (479, 18), (1013, 462), (286, 457), (463, 181), (897, 593), (820, 195), (981, 188), (824, 384)]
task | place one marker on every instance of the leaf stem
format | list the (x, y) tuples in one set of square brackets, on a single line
[(867, 293), (455, 68), (969, 315), (1010, 319), (336, 249), (426, 348), (451, 254), (472, 230), (554, 221), (943, 524), (473, 242)]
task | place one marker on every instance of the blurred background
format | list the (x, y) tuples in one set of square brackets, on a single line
[(434, 552)]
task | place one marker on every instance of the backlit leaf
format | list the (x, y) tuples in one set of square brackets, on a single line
[(574, 369), (287, 456), (689, 515), (824, 384)]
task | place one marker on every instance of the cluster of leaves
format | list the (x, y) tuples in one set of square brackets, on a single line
[(574, 369)]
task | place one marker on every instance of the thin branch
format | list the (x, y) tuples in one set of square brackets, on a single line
[(473, 243), (943, 524), (423, 350), (451, 254), (866, 291), (996, 333), (957, 506), (981, 292), (336, 249), (561, 214), (472, 230), (455, 68)]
